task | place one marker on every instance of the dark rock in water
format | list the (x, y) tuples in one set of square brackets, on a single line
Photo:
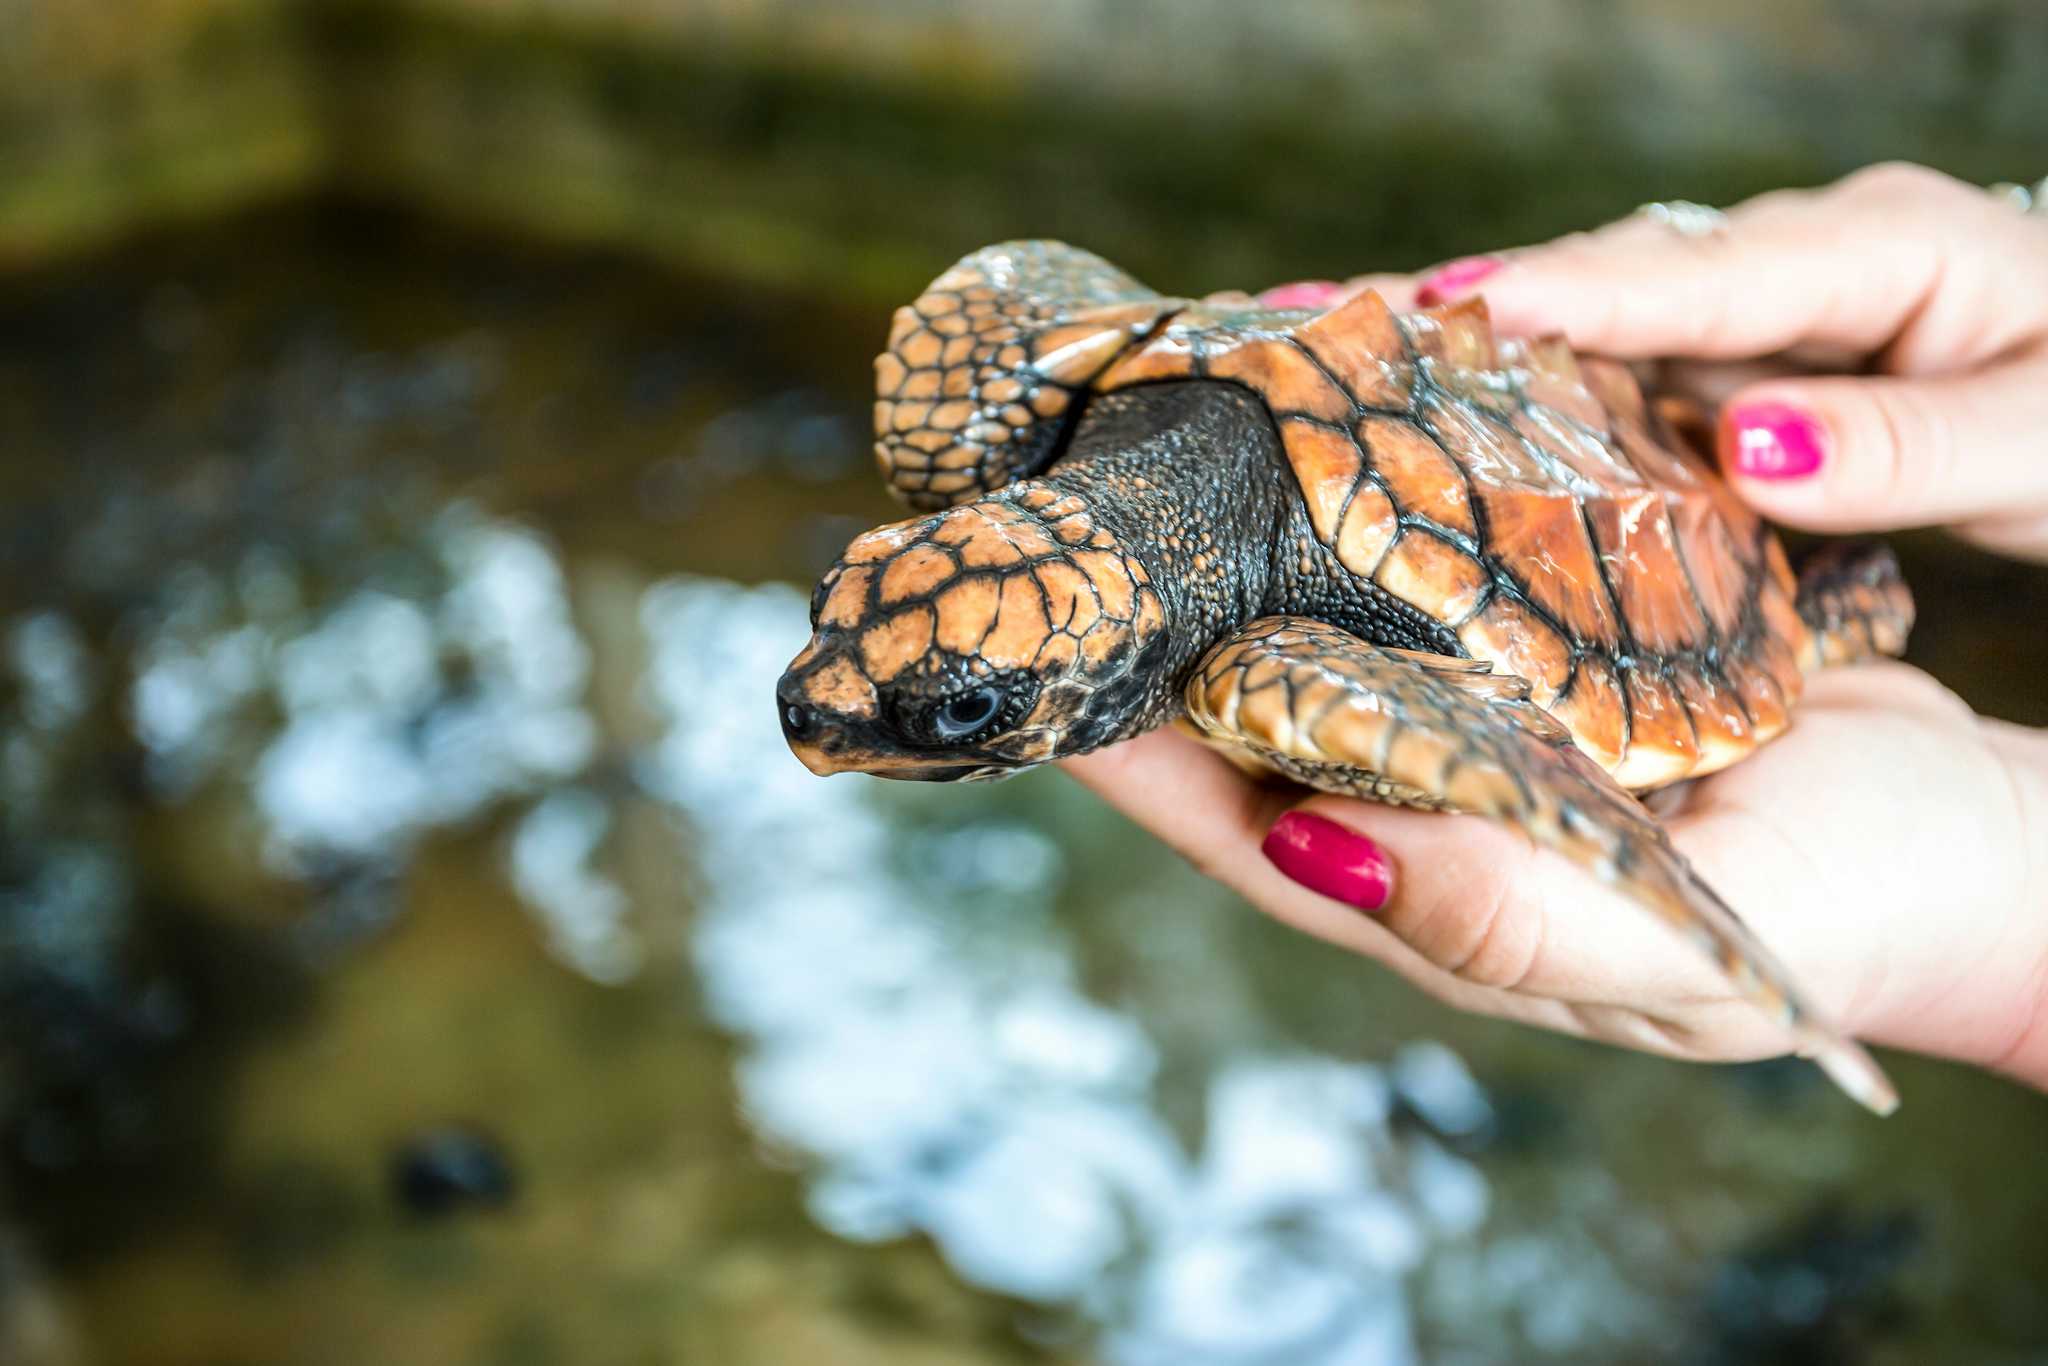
[(1774, 1083), (1433, 1088), (1820, 1292), (446, 1170), (1433, 1093)]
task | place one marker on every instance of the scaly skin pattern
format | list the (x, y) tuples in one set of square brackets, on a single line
[(1386, 555), (981, 374), (1854, 603), (1021, 592)]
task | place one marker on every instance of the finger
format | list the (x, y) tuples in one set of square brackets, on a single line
[(1397, 290), (1316, 294), (1217, 818), (1841, 454), (2019, 537), (1896, 259), (1715, 382), (1479, 917), (1483, 906)]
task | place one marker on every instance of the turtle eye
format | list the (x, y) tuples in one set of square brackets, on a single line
[(966, 713), (962, 711)]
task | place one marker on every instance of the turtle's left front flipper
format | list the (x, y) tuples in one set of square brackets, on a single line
[(1344, 715)]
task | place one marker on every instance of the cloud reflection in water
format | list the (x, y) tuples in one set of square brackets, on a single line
[(404, 707)]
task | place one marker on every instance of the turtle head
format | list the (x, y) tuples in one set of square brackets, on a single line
[(975, 642)]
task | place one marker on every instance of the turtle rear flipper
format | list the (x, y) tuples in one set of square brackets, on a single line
[(1854, 602), (980, 379), (1344, 715)]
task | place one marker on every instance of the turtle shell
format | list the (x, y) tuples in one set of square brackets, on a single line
[(1567, 528)]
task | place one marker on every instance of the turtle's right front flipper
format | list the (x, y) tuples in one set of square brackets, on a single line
[(1341, 714), (1854, 602), (979, 382)]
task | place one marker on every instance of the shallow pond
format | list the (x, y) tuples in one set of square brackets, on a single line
[(417, 945)]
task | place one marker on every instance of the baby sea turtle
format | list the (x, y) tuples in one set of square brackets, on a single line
[(1390, 555)]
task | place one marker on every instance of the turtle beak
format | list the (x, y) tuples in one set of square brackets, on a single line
[(818, 729), (816, 760)]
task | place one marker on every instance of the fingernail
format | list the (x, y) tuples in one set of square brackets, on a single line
[(1773, 441), (1460, 275), (1302, 294), (1325, 857)]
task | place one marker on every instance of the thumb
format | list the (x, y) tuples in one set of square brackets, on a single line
[(1873, 454)]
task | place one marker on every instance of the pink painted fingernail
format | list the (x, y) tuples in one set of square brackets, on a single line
[(1302, 294), (1325, 857), (1458, 276), (1773, 441)]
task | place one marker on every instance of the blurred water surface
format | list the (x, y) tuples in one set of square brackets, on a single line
[(393, 804)]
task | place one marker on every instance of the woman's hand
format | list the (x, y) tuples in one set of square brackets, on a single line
[(1893, 847), (1934, 291)]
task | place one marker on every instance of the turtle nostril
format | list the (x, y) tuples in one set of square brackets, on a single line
[(799, 718)]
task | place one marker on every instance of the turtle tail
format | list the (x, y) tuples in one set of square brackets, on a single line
[(1855, 604)]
